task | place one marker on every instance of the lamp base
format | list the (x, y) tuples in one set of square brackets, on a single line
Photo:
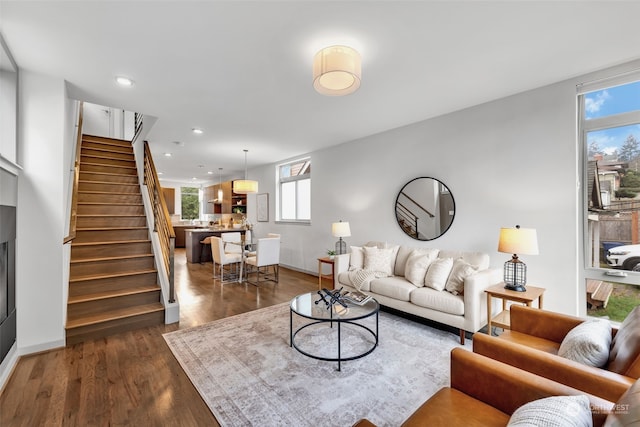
[(515, 287)]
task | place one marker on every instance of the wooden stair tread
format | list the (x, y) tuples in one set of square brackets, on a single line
[(111, 193), (119, 313), (110, 258), (110, 228), (111, 275), (110, 215), (109, 242), (113, 294), (101, 164), (110, 204)]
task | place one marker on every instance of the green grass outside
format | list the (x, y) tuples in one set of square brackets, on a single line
[(617, 308)]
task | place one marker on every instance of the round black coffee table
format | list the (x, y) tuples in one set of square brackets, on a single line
[(305, 306)]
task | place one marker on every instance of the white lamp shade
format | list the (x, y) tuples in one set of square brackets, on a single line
[(522, 241), (340, 229), (337, 70), (245, 186)]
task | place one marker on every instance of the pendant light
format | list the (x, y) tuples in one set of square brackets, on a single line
[(245, 186), (220, 192)]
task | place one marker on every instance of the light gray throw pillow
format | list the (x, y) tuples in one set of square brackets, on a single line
[(555, 411), (588, 343)]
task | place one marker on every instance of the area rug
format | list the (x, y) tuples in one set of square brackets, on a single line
[(246, 372)]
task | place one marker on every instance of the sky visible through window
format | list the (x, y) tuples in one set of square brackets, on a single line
[(608, 102)]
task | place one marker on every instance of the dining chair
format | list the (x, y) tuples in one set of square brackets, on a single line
[(222, 259), (232, 242), (267, 255), (204, 247)]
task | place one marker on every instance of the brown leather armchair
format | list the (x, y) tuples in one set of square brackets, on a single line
[(533, 341), (485, 392)]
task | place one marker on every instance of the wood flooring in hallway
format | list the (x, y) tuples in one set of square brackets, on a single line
[(133, 378)]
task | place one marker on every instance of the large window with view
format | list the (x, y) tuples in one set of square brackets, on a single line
[(294, 191), (190, 202), (610, 133)]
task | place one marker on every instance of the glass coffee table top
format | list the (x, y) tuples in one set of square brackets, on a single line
[(312, 306)]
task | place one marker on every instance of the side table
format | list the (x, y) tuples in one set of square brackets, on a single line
[(331, 262), (503, 319)]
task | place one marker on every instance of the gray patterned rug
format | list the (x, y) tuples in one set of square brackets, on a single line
[(248, 375)]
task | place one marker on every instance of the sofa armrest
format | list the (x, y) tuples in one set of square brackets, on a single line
[(541, 323), (505, 387), (598, 382), (340, 265), (475, 299)]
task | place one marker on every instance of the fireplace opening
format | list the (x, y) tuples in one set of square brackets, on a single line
[(7, 279)]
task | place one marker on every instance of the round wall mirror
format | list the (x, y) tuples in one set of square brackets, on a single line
[(425, 208)]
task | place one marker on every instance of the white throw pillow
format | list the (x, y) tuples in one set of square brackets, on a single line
[(438, 273), (555, 411), (392, 258), (460, 271), (588, 343), (416, 267), (378, 260), (356, 260)]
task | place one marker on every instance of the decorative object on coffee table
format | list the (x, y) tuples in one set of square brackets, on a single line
[(517, 241)]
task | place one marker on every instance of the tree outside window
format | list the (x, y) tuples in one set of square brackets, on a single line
[(190, 202)]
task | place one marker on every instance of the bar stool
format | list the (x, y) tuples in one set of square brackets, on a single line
[(204, 248)]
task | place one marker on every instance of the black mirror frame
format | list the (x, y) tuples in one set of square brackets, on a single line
[(442, 189)]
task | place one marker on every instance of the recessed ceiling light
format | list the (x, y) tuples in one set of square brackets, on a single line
[(197, 131), (124, 81), (210, 172), (167, 154), (194, 178), (160, 173)]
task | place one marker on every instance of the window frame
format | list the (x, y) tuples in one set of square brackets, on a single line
[(295, 179), (585, 126)]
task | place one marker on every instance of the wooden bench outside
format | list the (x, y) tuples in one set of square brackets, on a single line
[(598, 293)]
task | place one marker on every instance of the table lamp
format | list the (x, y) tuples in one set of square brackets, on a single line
[(340, 229), (517, 241)]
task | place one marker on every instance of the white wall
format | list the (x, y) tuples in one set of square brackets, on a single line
[(508, 162), (40, 301)]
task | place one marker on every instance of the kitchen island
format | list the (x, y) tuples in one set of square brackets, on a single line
[(196, 251)]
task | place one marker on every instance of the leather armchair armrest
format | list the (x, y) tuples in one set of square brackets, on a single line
[(541, 323), (598, 382), (505, 387)]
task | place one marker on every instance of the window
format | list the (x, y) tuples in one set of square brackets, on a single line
[(190, 202), (294, 191), (610, 138)]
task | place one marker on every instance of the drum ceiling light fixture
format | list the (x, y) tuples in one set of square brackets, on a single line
[(337, 70)]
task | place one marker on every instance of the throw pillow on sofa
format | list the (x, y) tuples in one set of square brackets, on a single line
[(416, 267), (438, 273), (356, 259), (588, 343), (460, 271), (378, 260), (555, 411)]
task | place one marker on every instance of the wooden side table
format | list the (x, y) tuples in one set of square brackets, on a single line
[(331, 262), (503, 319)]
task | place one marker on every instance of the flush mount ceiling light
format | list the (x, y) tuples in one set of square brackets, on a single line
[(337, 70), (245, 186), (124, 81)]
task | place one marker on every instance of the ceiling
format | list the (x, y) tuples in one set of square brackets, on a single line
[(241, 70)]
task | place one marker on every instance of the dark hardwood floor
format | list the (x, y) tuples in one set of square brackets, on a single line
[(133, 378)]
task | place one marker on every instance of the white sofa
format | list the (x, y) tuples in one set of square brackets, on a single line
[(465, 309)]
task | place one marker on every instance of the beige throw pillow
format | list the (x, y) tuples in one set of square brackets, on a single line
[(378, 260), (416, 267), (588, 343), (460, 271), (356, 259), (438, 273)]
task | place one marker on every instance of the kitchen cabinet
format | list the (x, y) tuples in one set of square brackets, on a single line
[(231, 202), (170, 199)]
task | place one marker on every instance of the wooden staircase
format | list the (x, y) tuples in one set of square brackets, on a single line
[(112, 280)]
